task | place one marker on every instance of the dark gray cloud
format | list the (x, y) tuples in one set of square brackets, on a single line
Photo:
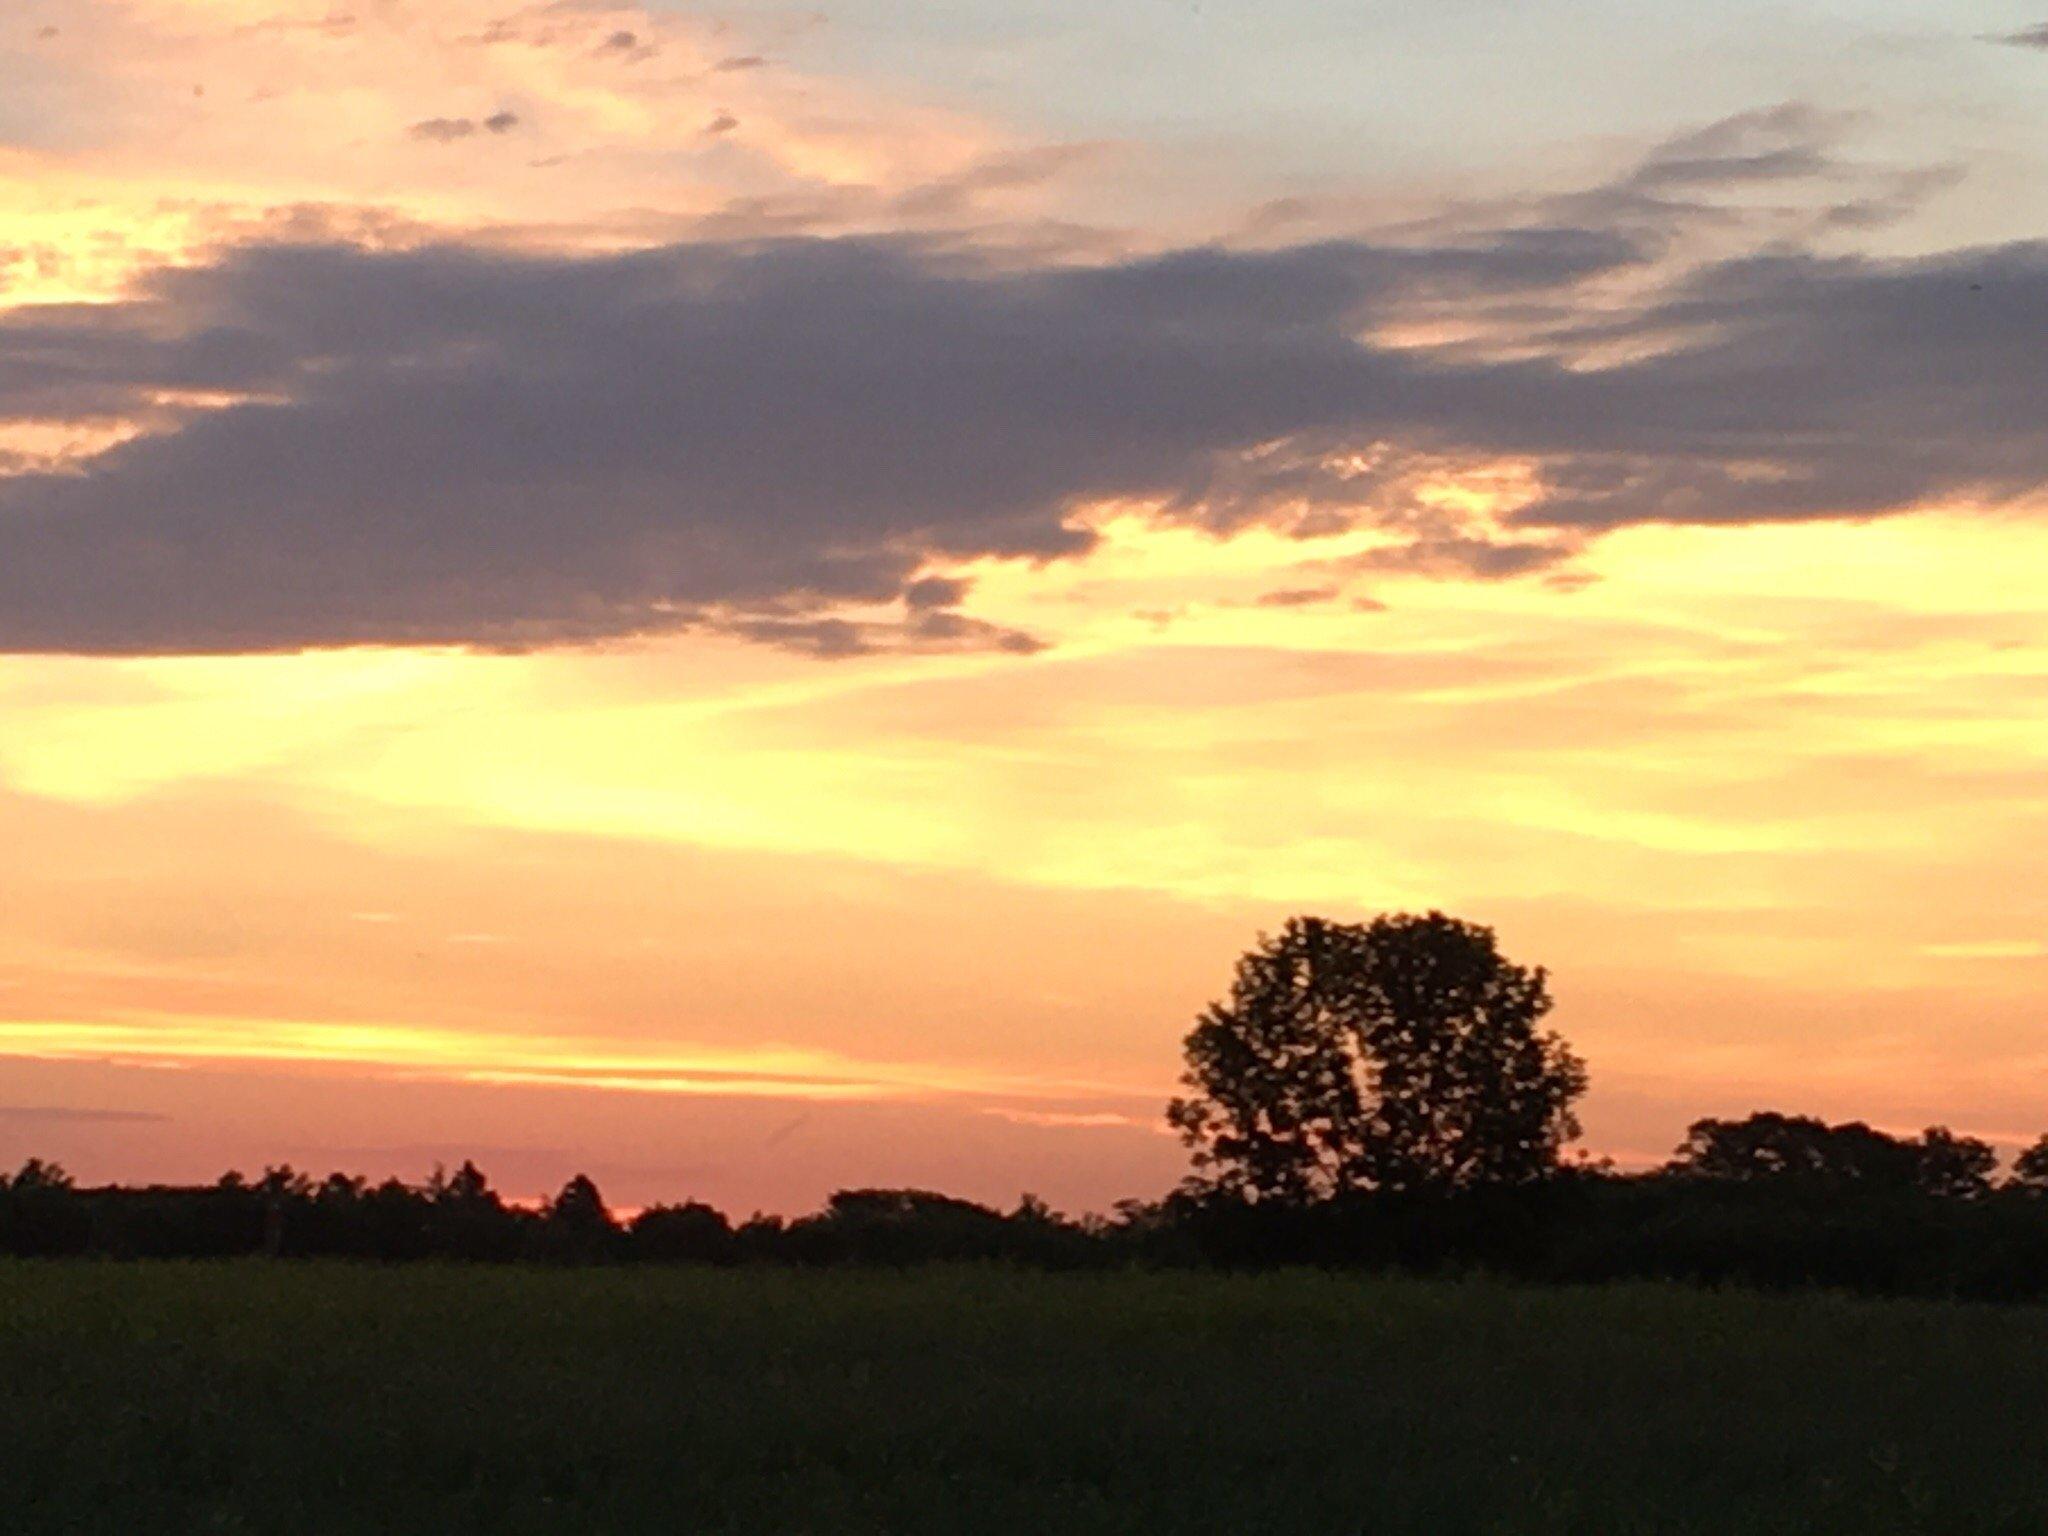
[(1450, 554), (936, 592), (450, 445), (2027, 37), (625, 45), (1809, 387), (925, 630)]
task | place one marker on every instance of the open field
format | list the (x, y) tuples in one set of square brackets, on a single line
[(303, 1399)]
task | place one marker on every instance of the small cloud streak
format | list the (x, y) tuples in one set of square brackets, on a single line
[(63, 1114), (1989, 949), (448, 130), (1069, 1120), (2026, 37), (627, 45)]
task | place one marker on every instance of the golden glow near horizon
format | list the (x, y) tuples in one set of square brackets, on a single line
[(1768, 800), (1727, 732), (474, 1056)]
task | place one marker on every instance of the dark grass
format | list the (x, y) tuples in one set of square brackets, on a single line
[(308, 1398)]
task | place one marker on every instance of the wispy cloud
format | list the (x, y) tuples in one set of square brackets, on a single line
[(65, 1114), (468, 1056), (1988, 949)]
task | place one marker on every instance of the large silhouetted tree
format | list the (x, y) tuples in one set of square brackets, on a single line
[(1401, 1054)]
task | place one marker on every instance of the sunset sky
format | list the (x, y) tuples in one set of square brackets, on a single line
[(750, 599)]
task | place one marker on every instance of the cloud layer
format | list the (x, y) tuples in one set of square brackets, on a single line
[(458, 445)]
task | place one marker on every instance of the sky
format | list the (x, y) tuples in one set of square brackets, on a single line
[(758, 599)]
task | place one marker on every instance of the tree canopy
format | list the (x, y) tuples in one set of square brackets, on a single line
[(1400, 1054)]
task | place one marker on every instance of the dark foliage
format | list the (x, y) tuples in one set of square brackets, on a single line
[(459, 1217), (1800, 1150), (2030, 1168), (1772, 1202), (691, 1233)]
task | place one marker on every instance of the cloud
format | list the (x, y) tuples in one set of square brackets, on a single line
[(446, 130), (455, 445), (1298, 597), (936, 592), (2027, 37), (1779, 173), (333, 24), (460, 446), (1004, 172), (1780, 143), (926, 630), (627, 45), (1462, 555), (1813, 387), (442, 130)]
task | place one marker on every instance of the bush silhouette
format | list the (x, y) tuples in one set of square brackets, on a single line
[(691, 1233)]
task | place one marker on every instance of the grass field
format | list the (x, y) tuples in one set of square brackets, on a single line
[(253, 1397)]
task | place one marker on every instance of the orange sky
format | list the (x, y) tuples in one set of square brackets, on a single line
[(708, 917)]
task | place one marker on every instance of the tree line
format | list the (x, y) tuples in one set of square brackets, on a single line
[(1772, 1200), (1379, 1094)]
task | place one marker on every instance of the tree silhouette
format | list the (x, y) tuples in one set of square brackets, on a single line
[(36, 1177), (579, 1207), (692, 1233), (39, 1214), (464, 1189), (278, 1190), (1772, 1146), (578, 1225), (1800, 1149), (2030, 1168), (1953, 1167), (1402, 1054), (469, 1218)]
